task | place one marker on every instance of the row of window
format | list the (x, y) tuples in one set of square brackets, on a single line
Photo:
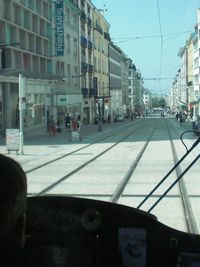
[(24, 61), (114, 69), (114, 55), (41, 7)]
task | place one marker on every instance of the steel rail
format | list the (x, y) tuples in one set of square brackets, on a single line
[(53, 185), (187, 207), (121, 186), (70, 153)]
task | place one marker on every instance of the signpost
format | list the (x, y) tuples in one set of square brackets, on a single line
[(22, 106), (12, 140)]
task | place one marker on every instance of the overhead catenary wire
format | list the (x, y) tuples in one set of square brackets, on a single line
[(161, 39), (128, 39)]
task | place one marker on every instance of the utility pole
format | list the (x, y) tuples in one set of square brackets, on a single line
[(100, 114), (21, 124)]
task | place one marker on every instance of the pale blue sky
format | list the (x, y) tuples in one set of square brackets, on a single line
[(139, 18)]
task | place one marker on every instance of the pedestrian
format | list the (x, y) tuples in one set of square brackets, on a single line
[(58, 126), (13, 203), (109, 118), (74, 124), (79, 123), (52, 127), (180, 118), (131, 116), (67, 122), (96, 119)]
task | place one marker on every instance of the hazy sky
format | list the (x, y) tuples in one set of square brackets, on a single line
[(154, 56)]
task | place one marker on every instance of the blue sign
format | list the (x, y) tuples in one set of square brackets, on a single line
[(59, 28)]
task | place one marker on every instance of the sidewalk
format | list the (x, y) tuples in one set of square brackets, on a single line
[(42, 137), (187, 125), (39, 141)]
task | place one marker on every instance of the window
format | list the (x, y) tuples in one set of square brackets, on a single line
[(196, 62), (68, 43), (75, 46), (196, 79), (62, 68), (68, 73), (74, 19), (67, 15)]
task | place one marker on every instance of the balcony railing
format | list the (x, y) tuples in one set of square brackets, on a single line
[(92, 92), (107, 36), (83, 67), (83, 16), (98, 28), (83, 41), (85, 92), (89, 22), (90, 68), (90, 46)]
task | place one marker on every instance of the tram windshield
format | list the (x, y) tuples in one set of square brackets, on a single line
[(100, 105)]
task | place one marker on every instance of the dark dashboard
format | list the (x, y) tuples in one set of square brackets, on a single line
[(74, 232)]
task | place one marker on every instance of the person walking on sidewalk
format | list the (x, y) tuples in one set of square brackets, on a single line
[(78, 123), (180, 118), (67, 122), (52, 127)]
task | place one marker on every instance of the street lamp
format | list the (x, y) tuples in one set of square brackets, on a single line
[(100, 114)]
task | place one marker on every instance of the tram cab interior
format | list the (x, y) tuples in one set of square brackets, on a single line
[(67, 231), (70, 231)]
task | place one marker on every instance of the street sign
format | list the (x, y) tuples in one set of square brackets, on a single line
[(62, 100), (12, 140)]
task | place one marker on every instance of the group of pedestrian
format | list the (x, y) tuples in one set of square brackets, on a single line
[(73, 123), (181, 117)]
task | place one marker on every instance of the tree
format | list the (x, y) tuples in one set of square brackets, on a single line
[(158, 102)]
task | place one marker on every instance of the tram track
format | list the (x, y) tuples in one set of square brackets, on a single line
[(187, 207), (118, 189), (76, 150), (76, 170)]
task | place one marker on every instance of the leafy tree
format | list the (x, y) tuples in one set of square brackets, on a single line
[(158, 102)]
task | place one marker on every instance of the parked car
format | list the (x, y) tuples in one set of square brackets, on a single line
[(196, 126), (119, 117)]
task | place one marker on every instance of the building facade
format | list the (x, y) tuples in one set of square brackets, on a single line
[(63, 50), (66, 95), (116, 104), (124, 82), (28, 24), (101, 71), (88, 88), (185, 88), (47, 55)]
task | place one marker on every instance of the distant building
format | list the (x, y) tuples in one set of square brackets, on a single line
[(185, 88), (116, 104), (147, 100), (88, 82)]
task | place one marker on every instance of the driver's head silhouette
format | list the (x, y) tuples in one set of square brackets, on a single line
[(13, 200)]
